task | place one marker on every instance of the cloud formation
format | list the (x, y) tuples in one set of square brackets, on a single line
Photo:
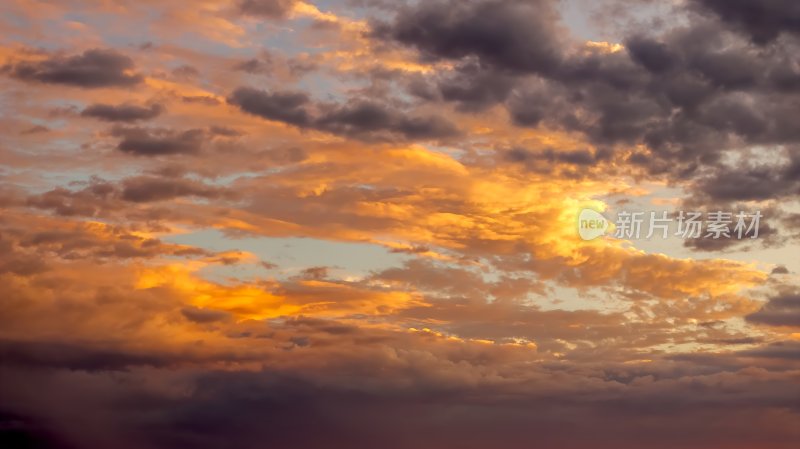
[(91, 69), (354, 224), (361, 119), (122, 113)]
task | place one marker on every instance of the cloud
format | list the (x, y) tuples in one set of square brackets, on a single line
[(23, 431), (72, 357), (266, 8), (416, 198), (655, 56), (782, 350), (363, 119), (253, 65), (510, 35), (91, 69), (148, 188), (36, 129), (687, 94), (317, 273), (87, 202), (550, 156), (752, 182), (368, 119), (763, 21), (286, 107), (158, 141), (122, 112), (204, 316), (780, 269), (725, 407), (33, 239), (475, 88), (781, 310)]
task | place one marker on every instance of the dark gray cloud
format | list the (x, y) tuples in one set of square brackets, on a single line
[(253, 65), (158, 141), (362, 119), (472, 86), (287, 107), (688, 93), (780, 270), (538, 102), (106, 196), (545, 160), (251, 410), (122, 112), (782, 351), (201, 99), (27, 247), (781, 310), (143, 189), (99, 195), (763, 20), (749, 181), (92, 68), (72, 356), (371, 119), (513, 35), (655, 56), (792, 223), (769, 235)]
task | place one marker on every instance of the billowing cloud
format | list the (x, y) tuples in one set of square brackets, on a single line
[(689, 94), (365, 118), (362, 119), (90, 69), (287, 107), (764, 21), (122, 113), (157, 142), (779, 311), (512, 35)]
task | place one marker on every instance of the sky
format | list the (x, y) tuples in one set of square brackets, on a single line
[(357, 224)]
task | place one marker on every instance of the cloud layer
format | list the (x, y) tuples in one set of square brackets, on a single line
[(353, 224)]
